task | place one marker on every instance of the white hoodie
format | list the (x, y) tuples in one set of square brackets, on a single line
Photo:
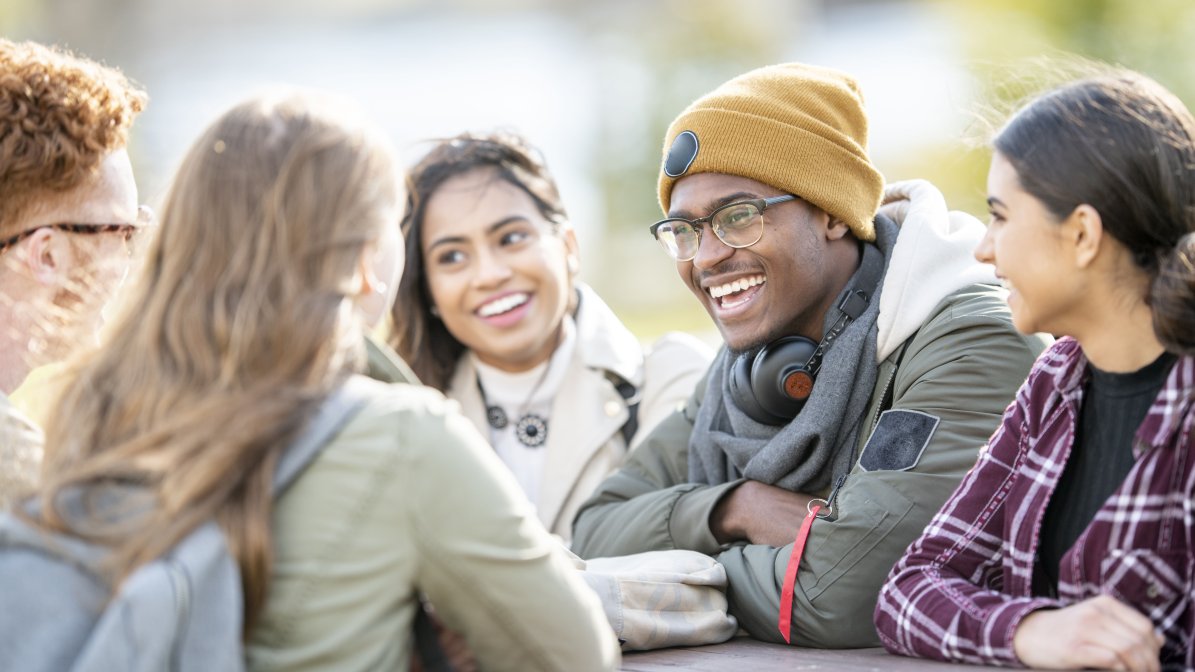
[(932, 259)]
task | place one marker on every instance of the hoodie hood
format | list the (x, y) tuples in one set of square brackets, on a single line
[(932, 259)]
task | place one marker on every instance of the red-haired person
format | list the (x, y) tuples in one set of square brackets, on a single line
[(68, 213)]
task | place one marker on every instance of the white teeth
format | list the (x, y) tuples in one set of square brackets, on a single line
[(732, 301), (502, 305), (736, 286)]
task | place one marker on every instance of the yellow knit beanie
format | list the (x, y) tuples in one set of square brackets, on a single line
[(796, 127)]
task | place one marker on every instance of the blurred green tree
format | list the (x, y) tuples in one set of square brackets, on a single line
[(1016, 48), (669, 52)]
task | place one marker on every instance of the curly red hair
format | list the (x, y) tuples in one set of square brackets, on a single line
[(60, 115)]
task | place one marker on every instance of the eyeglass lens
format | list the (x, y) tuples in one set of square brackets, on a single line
[(738, 225)]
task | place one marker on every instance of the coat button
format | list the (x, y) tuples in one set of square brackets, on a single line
[(1152, 591), (612, 408)]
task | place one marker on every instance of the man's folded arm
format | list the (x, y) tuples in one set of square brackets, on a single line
[(963, 370), (648, 504)]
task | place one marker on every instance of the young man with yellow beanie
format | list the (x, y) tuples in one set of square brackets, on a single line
[(867, 358)]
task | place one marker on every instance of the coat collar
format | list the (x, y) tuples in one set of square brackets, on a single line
[(1070, 370), (603, 342), (594, 409), (1167, 414), (1170, 413)]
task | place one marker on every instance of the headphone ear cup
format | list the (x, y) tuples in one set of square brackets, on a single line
[(780, 381), (743, 394)]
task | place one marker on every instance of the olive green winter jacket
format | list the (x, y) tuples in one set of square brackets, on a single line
[(963, 366)]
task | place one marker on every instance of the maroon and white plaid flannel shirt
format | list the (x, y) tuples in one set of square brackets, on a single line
[(961, 589)]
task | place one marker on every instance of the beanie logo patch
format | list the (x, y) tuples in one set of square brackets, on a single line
[(681, 155)]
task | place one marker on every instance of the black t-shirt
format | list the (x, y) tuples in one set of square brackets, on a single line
[(1113, 407)]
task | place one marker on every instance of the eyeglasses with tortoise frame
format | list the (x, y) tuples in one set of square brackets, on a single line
[(145, 220)]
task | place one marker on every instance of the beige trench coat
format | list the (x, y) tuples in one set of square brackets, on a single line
[(585, 443)]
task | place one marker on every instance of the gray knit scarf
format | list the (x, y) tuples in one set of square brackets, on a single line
[(817, 446)]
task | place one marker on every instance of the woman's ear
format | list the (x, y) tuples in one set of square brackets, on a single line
[(369, 290), (365, 278), (381, 264), (572, 250), (1083, 230)]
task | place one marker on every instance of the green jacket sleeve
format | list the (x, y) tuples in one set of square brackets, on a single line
[(489, 567), (385, 365), (964, 367), (648, 504)]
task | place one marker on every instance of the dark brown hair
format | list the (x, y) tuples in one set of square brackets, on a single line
[(59, 116), (419, 337), (1124, 145)]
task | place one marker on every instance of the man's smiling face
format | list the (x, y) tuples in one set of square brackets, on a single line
[(780, 286)]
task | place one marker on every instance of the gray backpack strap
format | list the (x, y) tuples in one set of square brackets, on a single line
[(181, 612), (333, 415)]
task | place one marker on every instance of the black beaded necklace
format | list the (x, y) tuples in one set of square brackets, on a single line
[(531, 429)]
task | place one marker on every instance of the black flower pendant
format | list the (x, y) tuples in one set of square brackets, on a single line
[(532, 430)]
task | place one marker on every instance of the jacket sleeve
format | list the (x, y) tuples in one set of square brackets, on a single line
[(943, 598), (648, 504), (963, 367), (483, 553), (21, 443)]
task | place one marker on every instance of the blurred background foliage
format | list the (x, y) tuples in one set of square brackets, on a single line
[(596, 84)]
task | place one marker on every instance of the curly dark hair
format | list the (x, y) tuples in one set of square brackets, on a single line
[(60, 115)]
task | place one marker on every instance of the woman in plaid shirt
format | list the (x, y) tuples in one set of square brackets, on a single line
[(1069, 544)]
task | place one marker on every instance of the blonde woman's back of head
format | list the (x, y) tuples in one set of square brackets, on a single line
[(242, 322), (272, 208)]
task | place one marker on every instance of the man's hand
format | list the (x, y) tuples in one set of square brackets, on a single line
[(1101, 632), (759, 513)]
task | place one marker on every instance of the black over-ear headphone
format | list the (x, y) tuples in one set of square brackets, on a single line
[(772, 387)]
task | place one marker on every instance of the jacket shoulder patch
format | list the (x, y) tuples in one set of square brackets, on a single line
[(899, 439)]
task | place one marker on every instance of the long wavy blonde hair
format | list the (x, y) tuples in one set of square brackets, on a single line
[(242, 323)]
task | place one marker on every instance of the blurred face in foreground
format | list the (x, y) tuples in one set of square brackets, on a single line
[(72, 253)]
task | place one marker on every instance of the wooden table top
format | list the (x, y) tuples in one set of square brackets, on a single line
[(744, 653)]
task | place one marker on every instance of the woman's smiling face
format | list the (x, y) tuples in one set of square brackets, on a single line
[(1023, 243), (497, 268)]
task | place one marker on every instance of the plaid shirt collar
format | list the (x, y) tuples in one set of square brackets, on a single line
[(1165, 416)]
